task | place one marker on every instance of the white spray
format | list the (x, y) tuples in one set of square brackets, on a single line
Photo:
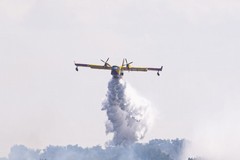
[(129, 115)]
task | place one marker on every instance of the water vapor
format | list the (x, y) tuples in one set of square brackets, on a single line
[(153, 150), (129, 115)]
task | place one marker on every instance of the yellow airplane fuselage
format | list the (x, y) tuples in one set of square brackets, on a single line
[(116, 72)]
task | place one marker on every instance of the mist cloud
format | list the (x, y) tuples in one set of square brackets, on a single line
[(154, 150), (129, 115)]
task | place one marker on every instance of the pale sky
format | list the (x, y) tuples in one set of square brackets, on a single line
[(44, 101)]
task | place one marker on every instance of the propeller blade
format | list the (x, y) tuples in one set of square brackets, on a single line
[(123, 63), (126, 60)]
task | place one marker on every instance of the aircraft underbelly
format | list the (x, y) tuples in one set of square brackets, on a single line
[(116, 73)]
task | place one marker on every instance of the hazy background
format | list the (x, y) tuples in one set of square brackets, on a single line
[(43, 100)]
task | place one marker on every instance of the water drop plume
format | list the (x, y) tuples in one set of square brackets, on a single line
[(129, 115)]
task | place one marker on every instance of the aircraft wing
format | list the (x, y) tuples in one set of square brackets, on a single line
[(142, 69), (135, 69), (93, 66), (156, 69)]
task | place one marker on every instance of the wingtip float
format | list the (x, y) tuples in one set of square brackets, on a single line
[(117, 71)]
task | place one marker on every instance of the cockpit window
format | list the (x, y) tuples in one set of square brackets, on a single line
[(115, 67)]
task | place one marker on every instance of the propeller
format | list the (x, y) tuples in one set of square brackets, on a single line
[(106, 64), (128, 64)]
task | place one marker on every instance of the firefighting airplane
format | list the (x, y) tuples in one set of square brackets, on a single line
[(117, 71)]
